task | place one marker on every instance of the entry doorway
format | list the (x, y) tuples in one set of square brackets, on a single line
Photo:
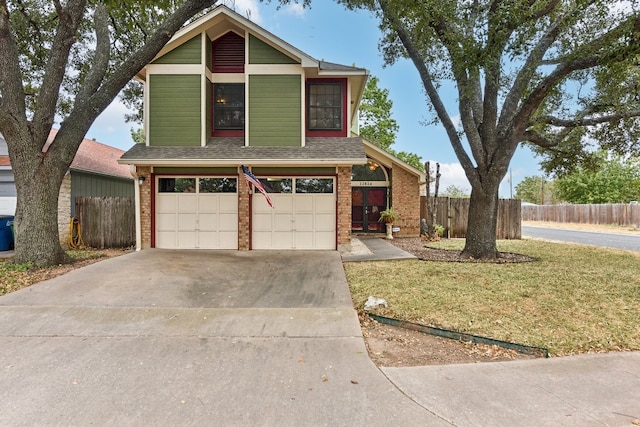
[(366, 205)]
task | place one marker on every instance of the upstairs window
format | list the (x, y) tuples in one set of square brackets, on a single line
[(228, 108), (325, 106), (228, 54)]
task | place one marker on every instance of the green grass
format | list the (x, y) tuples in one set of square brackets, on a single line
[(574, 299)]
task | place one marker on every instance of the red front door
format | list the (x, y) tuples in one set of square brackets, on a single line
[(366, 205)]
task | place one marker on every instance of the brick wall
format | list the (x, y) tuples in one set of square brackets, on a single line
[(344, 204), (405, 193), (244, 214), (145, 206), (64, 209)]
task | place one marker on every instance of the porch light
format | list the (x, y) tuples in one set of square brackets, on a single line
[(141, 179), (372, 165)]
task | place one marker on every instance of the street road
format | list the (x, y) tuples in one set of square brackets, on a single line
[(607, 240)]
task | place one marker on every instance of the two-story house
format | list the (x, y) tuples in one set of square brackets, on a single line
[(225, 93)]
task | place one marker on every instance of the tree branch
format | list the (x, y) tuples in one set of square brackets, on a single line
[(579, 62), (427, 81), (12, 100), (585, 121), (101, 57), (69, 19)]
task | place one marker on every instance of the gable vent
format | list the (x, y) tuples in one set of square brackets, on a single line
[(228, 54)]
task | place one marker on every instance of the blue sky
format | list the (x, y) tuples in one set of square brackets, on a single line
[(329, 32)]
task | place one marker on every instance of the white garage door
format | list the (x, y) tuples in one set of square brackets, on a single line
[(303, 214), (196, 213)]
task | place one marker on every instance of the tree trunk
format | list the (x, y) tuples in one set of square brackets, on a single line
[(482, 223), (36, 221)]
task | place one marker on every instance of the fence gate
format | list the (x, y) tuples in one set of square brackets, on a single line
[(106, 222)]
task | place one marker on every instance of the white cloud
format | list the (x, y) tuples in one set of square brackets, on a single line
[(295, 9), (452, 174)]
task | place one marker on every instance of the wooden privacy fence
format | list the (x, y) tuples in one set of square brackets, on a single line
[(618, 214), (106, 222), (453, 215)]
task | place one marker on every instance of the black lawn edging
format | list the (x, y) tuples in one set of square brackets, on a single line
[(461, 336)]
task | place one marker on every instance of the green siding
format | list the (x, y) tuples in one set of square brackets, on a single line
[(294, 171), (91, 185), (174, 110), (196, 171), (274, 110), (262, 53), (186, 53)]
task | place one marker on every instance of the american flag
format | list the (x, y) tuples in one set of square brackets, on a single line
[(251, 179)]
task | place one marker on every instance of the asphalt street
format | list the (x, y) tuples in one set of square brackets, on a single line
[(594, 238)]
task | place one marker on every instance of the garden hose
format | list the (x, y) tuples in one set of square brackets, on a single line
[(74, 239)]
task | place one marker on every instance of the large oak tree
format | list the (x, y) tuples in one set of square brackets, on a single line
[(66, 61), (538, 72)]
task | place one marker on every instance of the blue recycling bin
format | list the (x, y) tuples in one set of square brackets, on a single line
[(6, 235)]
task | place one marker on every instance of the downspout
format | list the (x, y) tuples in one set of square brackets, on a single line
[(134, 173)]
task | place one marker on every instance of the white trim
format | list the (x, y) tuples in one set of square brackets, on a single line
[(388, 159), (227, 78), (273, 69), (145, 111), (203, 110), (245, 76), (174, 69), (136, 186)]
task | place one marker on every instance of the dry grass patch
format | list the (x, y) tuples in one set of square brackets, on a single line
[(17, 276), (574, 299)]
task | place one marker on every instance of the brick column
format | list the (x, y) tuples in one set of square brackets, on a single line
[(244, 213), (344, 204), (405, 193), (145, 206)]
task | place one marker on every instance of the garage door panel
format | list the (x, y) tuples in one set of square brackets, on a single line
[(166, 239), (205, 220), (165, 221), (302, 220), (186, 240), (304, 203), (228, 221), (166, 203), (187, 222), (325, 240), (325, 204), (325, 222), (187, 202), (283, 222)]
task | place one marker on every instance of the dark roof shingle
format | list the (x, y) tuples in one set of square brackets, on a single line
[(228, 149)]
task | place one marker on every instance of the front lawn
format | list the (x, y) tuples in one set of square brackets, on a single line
[(573, 299)]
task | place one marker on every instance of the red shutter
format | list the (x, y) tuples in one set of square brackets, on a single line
[(228, 54)]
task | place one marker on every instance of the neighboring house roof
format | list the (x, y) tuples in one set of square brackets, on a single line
[(232, 151), (95, 157)]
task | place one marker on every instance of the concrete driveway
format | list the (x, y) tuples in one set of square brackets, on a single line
[(194, 338)]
